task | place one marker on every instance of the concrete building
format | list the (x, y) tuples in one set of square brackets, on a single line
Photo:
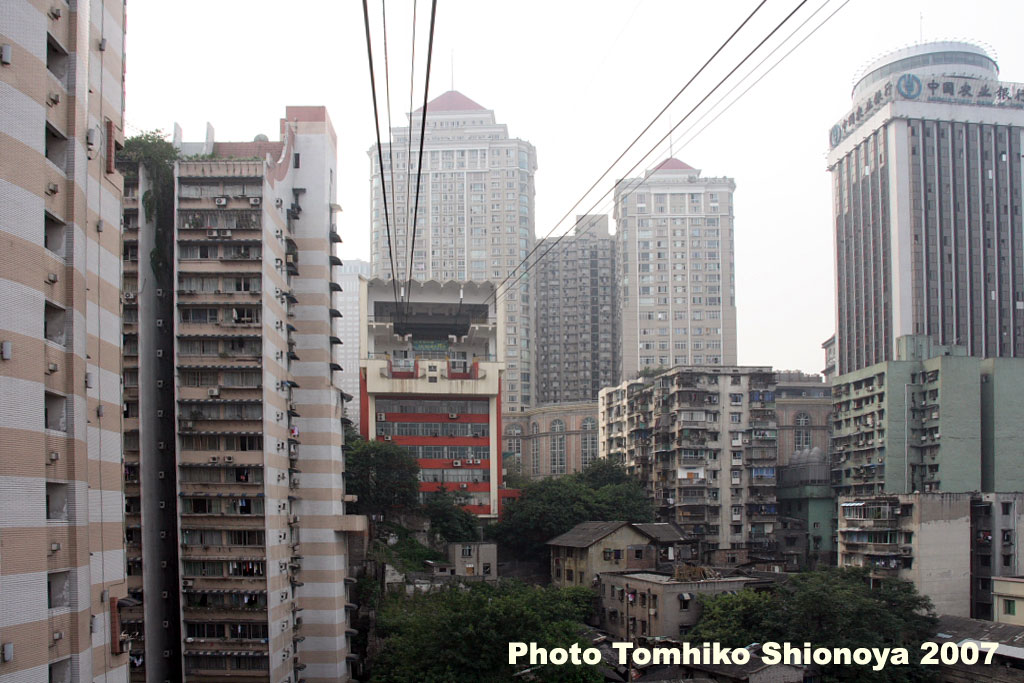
[(553, 440), (674, 238), (577, 314), (346, 300), (703, 443), (1008, 600), (951, 546), (927, 223), (430, 381), (61, 503), (803, 404), (932, 419), (806, 530), (260, 476), (655, 604), (473, 559), (476, 217)]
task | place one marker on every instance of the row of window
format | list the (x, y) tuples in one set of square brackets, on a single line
[(477, 429), (449, 452), (388, 405)]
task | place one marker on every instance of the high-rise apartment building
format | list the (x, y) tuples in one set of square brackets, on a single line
[(346, 300), (674, 235), (934, 419), (430, 382), (61, 506), (926, 172), (258, 410), (703, 443), (577, 314), (476, 217)]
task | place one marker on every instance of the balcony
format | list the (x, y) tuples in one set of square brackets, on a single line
[(445, 375)]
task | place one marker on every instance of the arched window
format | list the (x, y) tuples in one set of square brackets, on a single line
[(515, 441), (588, 441), (556, 450), (535, 449), (802, 435)]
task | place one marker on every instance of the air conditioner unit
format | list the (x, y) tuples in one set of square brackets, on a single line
[(294, 519), (58, 635), (187, 583), (387, 437), (452, 416), (211, 233), (279, 234), (225, 233), (160, 413), (159, 384), (54, 456), (456, 463), (54, 547), (159, 322), (220, 201), (161, 445), (52, 188), (159, 353), (215, 391), (255, 201), (52, 368), (214, 458), (381, 417), (229, 458), (463, 486), (52, 278)]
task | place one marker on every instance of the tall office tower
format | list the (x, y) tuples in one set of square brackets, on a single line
[(430, 375), (674, 231), (926, 172), (476, 216), (259, 409), (346, 300), (61, 506), (577, 314), (703, 443)]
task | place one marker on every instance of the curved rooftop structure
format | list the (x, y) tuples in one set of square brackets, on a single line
[(951, 58)]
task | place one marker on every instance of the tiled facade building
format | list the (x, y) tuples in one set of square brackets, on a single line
[(703, 443), (346, 299), (927, 210), (577, 313), (62, 570), (675, 251), (258, 411), (476, 217)]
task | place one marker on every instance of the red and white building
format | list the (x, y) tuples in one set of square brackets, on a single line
[(430, 380)]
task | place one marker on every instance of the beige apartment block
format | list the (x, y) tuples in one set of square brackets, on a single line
[(1008, 596), (259, 409), (476, 217), (62, 570), (675, 250), (702, 442)]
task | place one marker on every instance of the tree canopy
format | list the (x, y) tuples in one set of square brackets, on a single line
[(550, 507), (384, 477), (448, 518), (462, 633), (829, 608)]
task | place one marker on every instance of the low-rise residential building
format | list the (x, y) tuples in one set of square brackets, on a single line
[(473, 558), (430, 382), (655, 604), (1007, 665), (592, 548), (951, 546), (702, 441), (1008, 599)]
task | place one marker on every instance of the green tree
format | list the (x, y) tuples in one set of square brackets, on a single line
[(829, 608), (157, 156), (384, 477), (605, 472), (550, 507), (448, 518), (462, 634)]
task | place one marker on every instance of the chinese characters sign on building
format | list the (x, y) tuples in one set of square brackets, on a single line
[(911, 88)]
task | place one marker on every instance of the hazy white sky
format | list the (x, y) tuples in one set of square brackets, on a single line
[(579, 79)]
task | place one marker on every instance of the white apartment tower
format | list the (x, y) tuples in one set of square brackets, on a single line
[(62, 558), (677, 288), (926, 170), (476, 216)]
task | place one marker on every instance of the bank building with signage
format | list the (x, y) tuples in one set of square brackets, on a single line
[(926, 177)]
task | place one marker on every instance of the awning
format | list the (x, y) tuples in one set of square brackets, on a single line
[(857, 504), (685, 596), (128, 602)]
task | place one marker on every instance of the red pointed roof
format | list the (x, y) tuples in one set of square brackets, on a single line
[(673, 164), (452, 100)]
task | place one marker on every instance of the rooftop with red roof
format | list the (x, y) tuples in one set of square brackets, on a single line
[(673, 164), (452, 100)]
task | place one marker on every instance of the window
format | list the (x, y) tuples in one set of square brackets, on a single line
[(535, 448), (638, 554), (54, 323), (58, 590), (557, 447), (588, 442), (1007, 508), (1010, 607), (60, 672), (467, 551)]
